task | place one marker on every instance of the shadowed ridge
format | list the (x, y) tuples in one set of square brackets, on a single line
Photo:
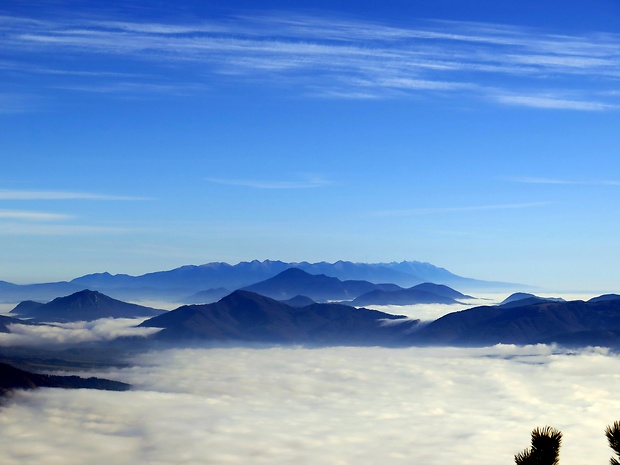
[(85, 305), (14, 378), (575, 322), (244, 316)]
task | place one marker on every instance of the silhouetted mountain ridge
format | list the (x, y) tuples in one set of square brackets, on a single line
[(245, 316), (294, 281), (547, 321), (85, 305), (15, 378)]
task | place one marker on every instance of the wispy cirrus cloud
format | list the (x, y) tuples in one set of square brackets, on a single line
[(336, 58), (459, 209), (44, 223), (32, 216), (557, 181), (44, 228), (8, 194), (264, 184), (553, 102)]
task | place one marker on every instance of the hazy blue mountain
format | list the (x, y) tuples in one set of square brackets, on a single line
[(519, 299), (299, 301), (425, 293), (207, 296), (11, 293), (213, 275), (84, 305), (244, 316), (15, 378), (178, 283), (293, 281), (517, 296), (427, 272), (546, 321), (189, 277), (345, 271)]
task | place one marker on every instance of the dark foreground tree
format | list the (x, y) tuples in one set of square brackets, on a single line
[(613, 436), (545, 449)]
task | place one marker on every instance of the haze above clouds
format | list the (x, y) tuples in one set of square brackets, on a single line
[(334, 406)]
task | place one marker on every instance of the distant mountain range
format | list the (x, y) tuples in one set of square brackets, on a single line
[(183, 283), (247, 317)]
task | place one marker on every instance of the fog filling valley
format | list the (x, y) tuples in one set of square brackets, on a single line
[(332, 406)]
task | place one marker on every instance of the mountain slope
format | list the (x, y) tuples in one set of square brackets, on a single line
[(244, 316), (14, 378), (84, 305), (540, 322)]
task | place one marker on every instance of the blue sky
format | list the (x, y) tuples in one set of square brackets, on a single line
[(140, 136)]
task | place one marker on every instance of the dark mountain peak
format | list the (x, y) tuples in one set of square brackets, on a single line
[(83, 296), (517, 296), (441, 290), (249, 317), (519, 299), (319, 287), (604, 298), (84, 305)]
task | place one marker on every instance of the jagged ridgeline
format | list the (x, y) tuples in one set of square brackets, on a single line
[(215, 280)]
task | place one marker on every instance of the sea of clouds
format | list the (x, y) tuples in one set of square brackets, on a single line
[(52, 334), (363, 406)]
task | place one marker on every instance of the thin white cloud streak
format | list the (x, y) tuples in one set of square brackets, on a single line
[(256, 184), (7, 194), (105, 329), (431, 312), (554, 181), (32, 216), (47, 229), (354, 59), (553, 103), (464, 209), (338, 405)]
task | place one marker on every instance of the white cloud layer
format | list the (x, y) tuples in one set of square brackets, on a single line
[(104, 329), (331, 406)]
